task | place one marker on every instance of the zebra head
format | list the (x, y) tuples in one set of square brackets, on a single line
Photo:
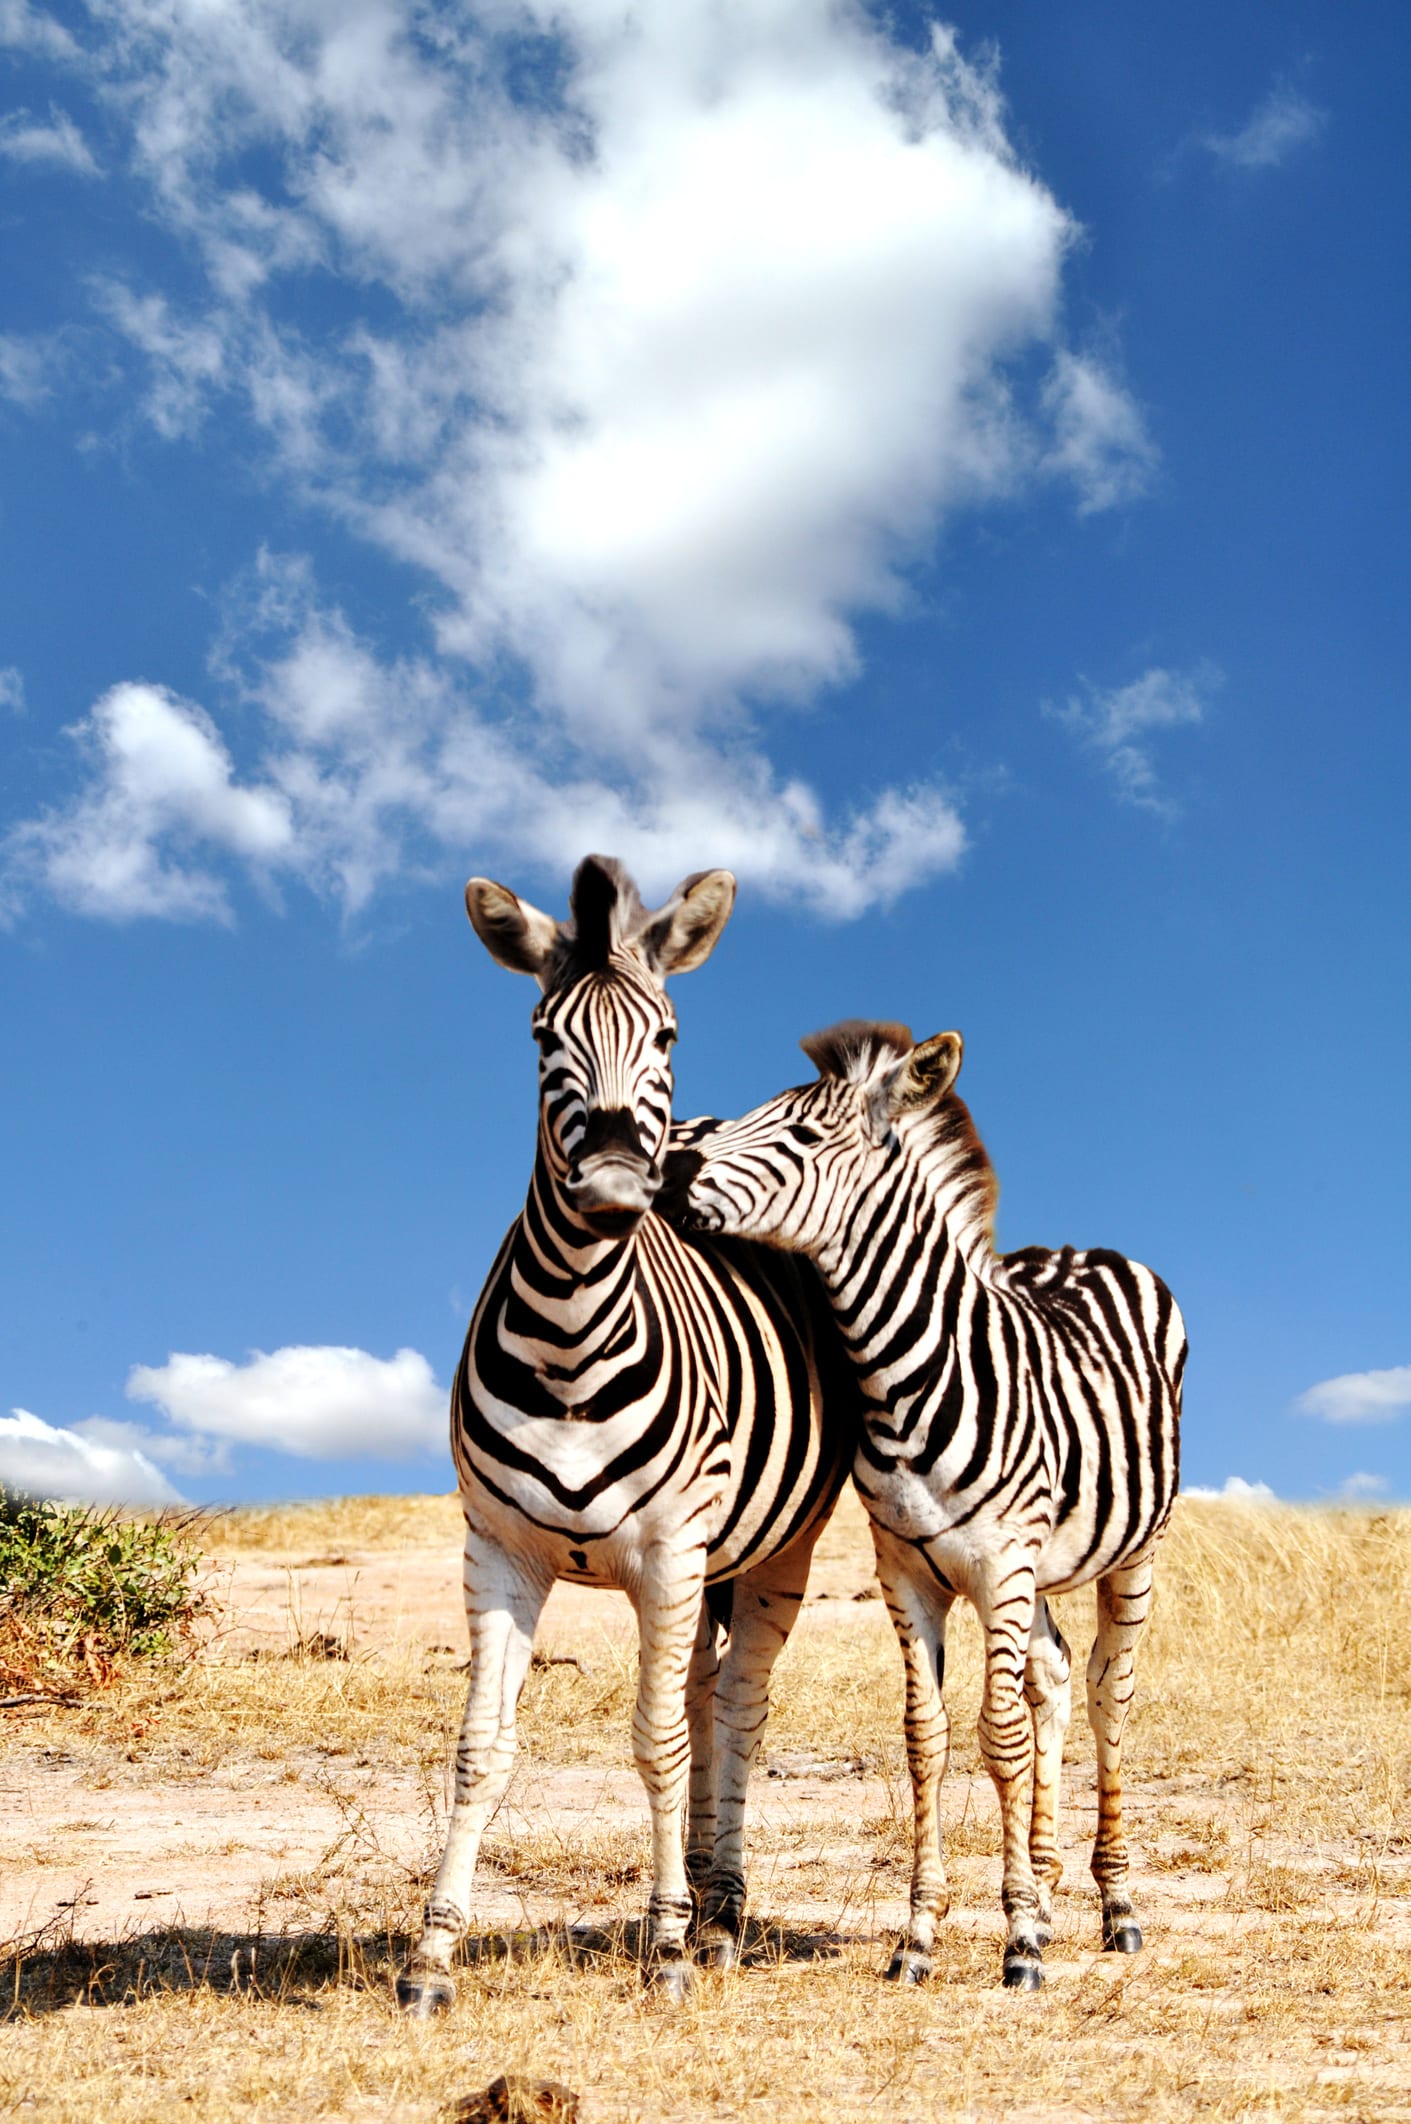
[(790, 1172), (604, 1024)]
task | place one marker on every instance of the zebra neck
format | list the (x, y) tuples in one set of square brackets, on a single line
[(898, 1262), (571, 1308)]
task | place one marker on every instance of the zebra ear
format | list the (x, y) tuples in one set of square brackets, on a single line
[(687, 930), (515, 934), (923, 1077)]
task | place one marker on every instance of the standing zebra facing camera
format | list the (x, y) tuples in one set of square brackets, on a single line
[(1020, 1434), (671, 1415)]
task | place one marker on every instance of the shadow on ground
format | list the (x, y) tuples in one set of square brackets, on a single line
[(51, 1970)]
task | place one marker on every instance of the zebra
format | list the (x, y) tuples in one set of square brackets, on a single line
[(633, 1408), (1020, 1434)]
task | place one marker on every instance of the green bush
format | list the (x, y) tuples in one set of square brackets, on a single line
[(80, 1586)]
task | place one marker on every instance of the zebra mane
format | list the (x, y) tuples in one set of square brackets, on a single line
[(857, 1048), (606, 913), (854, 1048)]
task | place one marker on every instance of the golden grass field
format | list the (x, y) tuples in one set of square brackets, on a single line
[(209, 1873)]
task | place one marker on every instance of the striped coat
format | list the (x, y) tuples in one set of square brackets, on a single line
[(1020, 1432), (634, 1408)]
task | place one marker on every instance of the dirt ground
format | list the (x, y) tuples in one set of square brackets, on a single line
[(206, 1879)]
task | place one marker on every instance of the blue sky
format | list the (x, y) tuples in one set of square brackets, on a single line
[(951, 470)]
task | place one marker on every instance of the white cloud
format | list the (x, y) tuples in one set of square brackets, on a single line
[(25, 366), (1099, 438), (173, 1449), (1118, 725), (1284, 122), (29, 29), (1360, 1488), (12, 688), (321, 1403), (663, 369), (46, 1460), (162, 781), (367, 769), (186, 360), (55, 141), (1235, 1490), (1359, 1397)]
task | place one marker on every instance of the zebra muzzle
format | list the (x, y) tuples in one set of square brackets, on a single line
[(612, 1182)]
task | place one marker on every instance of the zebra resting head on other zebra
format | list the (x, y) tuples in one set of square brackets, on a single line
[(1020, 1432), (632, 1408)]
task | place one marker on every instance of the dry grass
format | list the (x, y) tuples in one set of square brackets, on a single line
[(1270, 1760)]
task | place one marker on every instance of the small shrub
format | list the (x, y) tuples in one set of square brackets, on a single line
[(81, 1589)]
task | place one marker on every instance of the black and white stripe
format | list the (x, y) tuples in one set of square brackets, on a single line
[(1020, 1433), (633, 1408)]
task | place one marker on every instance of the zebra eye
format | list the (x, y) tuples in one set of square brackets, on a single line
[(545, 1039), (665, 1039), (802, 1133)]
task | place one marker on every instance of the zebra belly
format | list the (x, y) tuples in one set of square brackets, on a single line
[(959, 1541)]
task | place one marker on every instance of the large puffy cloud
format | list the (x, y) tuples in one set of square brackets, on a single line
[(667, 337), (321, 1402), (1359, 1397), (48, 1460)]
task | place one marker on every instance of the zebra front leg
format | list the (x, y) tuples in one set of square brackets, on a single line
[(702, 1813), (1005, 1600), (668, 1600), (764, 1607), (919, 1611), (503, 1605), (1123, 1599), (1049, 1695)]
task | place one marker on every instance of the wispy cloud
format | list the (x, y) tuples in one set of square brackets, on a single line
[(26, 368), (662, 371), (1118, 725), (1362, 1488), (29, 29), (55, 142), (1100, 441), (1359, 1397), (12, 688), (1277, 128)]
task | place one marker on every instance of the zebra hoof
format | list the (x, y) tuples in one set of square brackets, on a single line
[(671, 1982), (718, 1949), (1022, 1971), (1121, 1935), (909, 1966), (423, 1993)]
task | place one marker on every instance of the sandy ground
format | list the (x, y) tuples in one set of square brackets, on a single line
[(108, 1841)]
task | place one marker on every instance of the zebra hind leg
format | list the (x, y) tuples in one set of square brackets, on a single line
[(1123, 1599), (919, 1611), (764, 1607), (503, 1609), (1049, 1695)]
